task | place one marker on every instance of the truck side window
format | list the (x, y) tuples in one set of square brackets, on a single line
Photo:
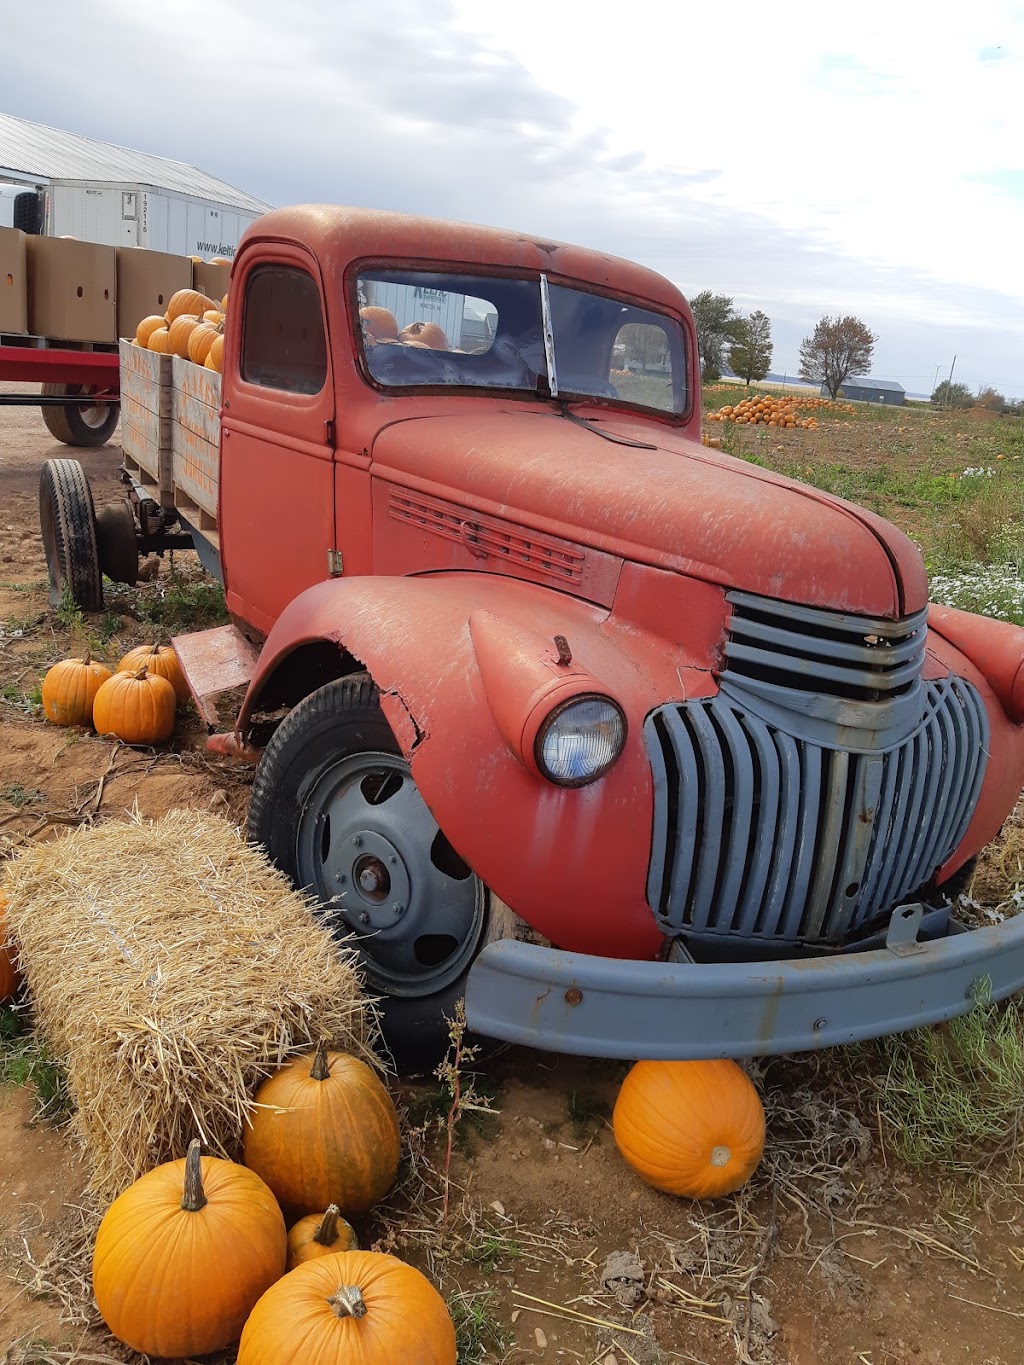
[(283, 341)]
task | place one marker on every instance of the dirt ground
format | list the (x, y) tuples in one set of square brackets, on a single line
[(835, 1255)]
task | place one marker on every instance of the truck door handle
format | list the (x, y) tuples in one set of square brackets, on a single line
[(467, 530)]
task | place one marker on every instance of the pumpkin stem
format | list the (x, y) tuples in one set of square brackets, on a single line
[(320, 1070), (87, 660), (348, 1302), (328, 1229), (195, 1196), (721, 1156), (141, 673)]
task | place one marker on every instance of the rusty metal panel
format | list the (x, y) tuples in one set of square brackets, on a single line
[(213, 662)]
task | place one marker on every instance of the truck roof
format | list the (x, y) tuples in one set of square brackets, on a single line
[(40, 154), (346, 234)]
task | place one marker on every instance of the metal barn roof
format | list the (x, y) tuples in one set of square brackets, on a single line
[(866, 382), (33, 149)]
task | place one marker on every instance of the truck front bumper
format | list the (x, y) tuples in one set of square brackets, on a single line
[(605, 1007)]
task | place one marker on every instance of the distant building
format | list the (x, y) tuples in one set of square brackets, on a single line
[(868, 390)]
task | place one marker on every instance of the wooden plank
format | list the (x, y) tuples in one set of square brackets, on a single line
[(196, 399), (195, 468), (146, 400), (156, 398), (140, 441), (197, 517), (151, 366)]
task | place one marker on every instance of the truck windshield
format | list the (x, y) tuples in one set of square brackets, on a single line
[(427, 329)]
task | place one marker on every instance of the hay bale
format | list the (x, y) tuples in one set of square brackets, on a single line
[(171, 968)]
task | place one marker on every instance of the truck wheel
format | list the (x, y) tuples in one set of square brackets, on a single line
[(68, 523), (335, 806), (77, 425)]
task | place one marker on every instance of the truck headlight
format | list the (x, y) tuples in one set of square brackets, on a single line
[(580, 740)]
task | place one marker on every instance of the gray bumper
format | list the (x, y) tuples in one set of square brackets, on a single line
[(605, 1007)]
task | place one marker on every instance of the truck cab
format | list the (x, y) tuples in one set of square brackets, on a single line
[(644, 750)]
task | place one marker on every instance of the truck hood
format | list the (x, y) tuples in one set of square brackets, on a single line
[(679, 506)]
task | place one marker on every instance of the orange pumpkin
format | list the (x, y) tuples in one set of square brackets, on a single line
[(183, 1255), (147, 327), (200, 341), (188, 301), (160, 659), (354, 1308), (324, 1131), (224, 304), (135, 707), (426, 333), (180, 331), (320, 1236), (10, 978), (215, 355), (380, 323), (160, 340), (69, 690), (690, 1128), (214, 316)]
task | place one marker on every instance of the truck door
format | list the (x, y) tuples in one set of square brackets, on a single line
[(276, 498)]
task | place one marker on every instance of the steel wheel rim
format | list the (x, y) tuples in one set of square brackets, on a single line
[(93, 417), (369, 850)]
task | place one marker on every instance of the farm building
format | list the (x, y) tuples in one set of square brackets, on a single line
[(868, 390), (58, 184)]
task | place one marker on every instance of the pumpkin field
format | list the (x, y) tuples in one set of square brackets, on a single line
[(861, 1205)]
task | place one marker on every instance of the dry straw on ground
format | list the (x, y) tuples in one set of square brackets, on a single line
[(170, 968)]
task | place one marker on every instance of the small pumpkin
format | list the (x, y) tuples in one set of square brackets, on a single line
[(355, 1306), (69, 690), (10, 977), (426, 333), (188, 301), (380, 323), (214, 316), (315, 1236), (180, 330), (215, 355), (224, 304), (160, 341), (324, 1131), (147, 327), (137, 708), (200, 341), (183, 1255), (690, 1128), (159, 659)]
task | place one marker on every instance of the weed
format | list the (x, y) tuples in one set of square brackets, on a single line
[(68, 612), (463, 1097), (477, 1331), (109, 626), (489, 1249), (586, 1111), (24, 1061), (21, 701), (18, 796), (176, 603)]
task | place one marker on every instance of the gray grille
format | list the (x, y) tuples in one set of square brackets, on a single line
[(778, 649), (759, 835)]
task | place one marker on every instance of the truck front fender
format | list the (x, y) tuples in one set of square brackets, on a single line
[(468, 666)]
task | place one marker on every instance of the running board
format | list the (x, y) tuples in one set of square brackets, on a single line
[(215, 662)]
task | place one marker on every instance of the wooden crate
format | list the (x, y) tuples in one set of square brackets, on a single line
[(195, 440), (146, 420)]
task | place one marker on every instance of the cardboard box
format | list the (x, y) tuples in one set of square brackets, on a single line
[(72, 288), (13, 282), (211, 280), (145, 282)]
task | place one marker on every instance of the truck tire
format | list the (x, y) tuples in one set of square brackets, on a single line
[(335, 806), (118, 543), (76, 425), (68, 523)]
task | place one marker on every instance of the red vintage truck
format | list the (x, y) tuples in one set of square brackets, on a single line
[(644, 750)]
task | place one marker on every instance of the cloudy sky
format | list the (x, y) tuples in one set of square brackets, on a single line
[(802, 158)]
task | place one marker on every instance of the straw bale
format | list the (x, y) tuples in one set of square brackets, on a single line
[(171, 967)]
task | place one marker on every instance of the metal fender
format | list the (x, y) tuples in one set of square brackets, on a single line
[(468, 667), (995, 647)]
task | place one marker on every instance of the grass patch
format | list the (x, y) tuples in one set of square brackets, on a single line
[(489, 1250), (171, 605), (17, 795), (477, 1331), (22, 701), (586, 1112), (23, 1061)]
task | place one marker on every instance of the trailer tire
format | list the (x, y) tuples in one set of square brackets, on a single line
[(118, 543), (75, 425), (310, 813), (68, 522)]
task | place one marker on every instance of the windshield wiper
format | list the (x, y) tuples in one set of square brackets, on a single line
[(588, 425), (549, 336)]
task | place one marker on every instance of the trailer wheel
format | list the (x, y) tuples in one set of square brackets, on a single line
[(118, 543), (68, 523), (75, 424), (335, 806)]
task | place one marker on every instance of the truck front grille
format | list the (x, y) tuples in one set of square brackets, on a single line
[(759, 835), (778, 648)]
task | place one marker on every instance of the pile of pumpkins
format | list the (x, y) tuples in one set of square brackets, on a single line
[(195, 1256), (135, 704), (192, 327), (766, 409)]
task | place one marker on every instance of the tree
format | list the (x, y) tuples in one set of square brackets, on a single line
[(949, 395), (990, 398), (643, 345), (715, 319), (837, 349), (750, 355)]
